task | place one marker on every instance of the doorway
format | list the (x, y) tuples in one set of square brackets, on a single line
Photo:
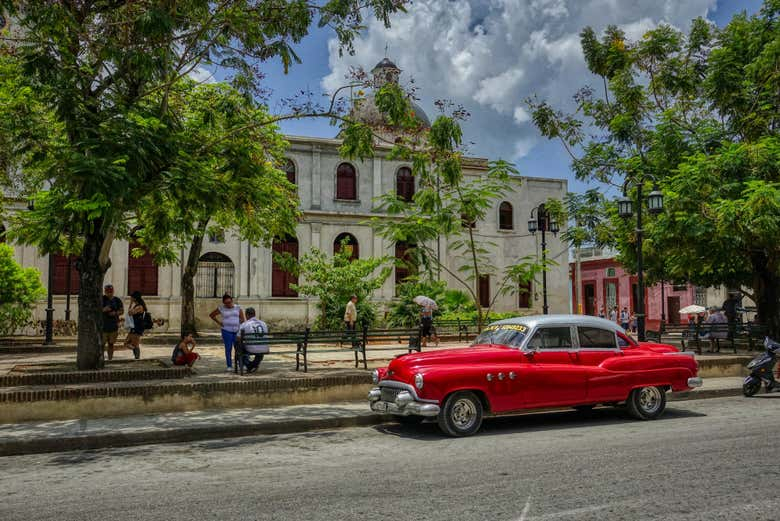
[(589, 291), (673, 310)]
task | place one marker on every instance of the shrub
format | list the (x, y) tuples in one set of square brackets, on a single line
[(19, 289)]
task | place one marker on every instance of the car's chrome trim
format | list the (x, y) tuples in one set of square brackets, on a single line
[(695, 381), (411, 409), (686, 353), (406, 387)]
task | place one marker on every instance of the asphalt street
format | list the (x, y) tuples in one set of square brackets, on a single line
[(710, 459)]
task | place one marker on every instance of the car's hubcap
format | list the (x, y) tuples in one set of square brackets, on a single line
[(650, 399), (464, 414)]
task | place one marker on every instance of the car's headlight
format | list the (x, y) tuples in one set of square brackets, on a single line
[(375, 376), (418, 381)]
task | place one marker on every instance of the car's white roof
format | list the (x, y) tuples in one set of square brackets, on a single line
[(533, 321)]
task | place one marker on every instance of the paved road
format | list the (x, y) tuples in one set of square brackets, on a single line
[(707, 459)]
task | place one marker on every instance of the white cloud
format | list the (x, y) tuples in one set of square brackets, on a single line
[(489, 55)]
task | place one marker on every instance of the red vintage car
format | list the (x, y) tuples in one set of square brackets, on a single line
[(533, 363)]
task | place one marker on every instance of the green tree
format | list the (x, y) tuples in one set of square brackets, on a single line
[(19, 289), (333, 280), (234, 184), (698, 115), (105, 74)]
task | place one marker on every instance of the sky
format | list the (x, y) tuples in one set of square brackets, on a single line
[(489, 56)]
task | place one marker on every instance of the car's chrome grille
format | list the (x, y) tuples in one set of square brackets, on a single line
[(389, 394)]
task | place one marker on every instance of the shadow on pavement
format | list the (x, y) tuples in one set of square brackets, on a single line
[(532, 422)]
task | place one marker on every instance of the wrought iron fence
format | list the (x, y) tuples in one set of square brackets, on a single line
[(214, 279)]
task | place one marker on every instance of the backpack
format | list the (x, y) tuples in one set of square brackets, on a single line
[(148, 323), (176, 353)]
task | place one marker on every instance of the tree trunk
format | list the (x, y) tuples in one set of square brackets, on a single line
[(188, 282), (766, 287), (92, 266)]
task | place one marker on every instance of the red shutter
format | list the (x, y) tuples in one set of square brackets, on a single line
[(141, 272), (484, 291), (404, 184), (524, 296), (281, 279), (60, 275), (346, 181)]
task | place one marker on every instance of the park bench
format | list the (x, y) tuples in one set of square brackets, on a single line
[(456, 326), (410, 336), (755, 335), (303, 340), (723, 333)]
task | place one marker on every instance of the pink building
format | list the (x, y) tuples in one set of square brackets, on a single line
[(604, 284)]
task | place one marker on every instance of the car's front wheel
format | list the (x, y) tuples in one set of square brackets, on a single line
[(647, 403), (461, 415)]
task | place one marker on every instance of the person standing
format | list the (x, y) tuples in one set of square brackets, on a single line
[(613, 315), (350, 313), (601, 313), (730, 312), (136, 311), (624, 318), (426, 323), (232, 316), (256, 328), (184, 351), (113, 309)]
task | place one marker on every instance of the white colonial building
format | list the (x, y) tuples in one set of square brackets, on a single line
[(336, 198)]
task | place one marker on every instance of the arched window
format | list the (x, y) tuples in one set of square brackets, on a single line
[(346, 182), (505, 216), (289, 168), (348, 241), (404, 184), (64, 265), (403, 263), (281, 279), (141, 272), (216, 274)]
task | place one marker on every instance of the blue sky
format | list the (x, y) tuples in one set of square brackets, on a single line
[(452, 32)]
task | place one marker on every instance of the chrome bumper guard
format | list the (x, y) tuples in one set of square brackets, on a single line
[(404, 405), (695, 382)]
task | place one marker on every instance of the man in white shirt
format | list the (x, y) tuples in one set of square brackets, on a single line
[(252, 345)]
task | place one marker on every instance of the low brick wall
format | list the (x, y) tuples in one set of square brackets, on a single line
[(78, 377), (105, 400)]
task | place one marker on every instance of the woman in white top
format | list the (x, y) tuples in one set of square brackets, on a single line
[(231, 317)]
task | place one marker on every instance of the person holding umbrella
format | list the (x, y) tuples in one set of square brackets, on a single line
[(427, 307)]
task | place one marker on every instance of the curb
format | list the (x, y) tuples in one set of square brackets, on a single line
[(192, 434), (118, 439)]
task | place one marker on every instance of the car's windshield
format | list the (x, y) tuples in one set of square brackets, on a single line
[(511, 335)]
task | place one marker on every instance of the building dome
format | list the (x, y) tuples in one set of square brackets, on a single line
[(365, 109)]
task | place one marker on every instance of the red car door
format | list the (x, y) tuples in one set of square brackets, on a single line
[(596, 345), (553, 375)]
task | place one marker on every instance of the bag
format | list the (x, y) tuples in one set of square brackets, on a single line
[(129, 323), (148, 323)]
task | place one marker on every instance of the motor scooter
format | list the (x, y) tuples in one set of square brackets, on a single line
[(762, 369)]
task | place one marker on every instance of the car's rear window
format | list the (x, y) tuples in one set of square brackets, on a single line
[(511, 335)]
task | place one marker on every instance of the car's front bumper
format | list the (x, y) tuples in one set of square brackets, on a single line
[(695, 382), (405, 404)]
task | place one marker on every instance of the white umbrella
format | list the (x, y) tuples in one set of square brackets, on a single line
[(424, 301), (693, 309)]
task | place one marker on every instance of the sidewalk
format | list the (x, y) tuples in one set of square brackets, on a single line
[(56, 436)]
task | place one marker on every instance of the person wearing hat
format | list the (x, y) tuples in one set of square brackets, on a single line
[(112, 311)]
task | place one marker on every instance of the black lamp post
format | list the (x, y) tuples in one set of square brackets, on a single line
[(541, 221), (655, 205), (49, 332)]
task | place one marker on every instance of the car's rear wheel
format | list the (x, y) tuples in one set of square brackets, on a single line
[(461, 415), (647, 403)]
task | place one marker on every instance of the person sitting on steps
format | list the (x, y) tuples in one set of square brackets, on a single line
[(184, 351)]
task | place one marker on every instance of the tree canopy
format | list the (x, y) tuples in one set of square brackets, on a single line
[(696, 114)]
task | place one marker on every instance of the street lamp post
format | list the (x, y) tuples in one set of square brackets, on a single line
[(543, 222), (655, 205), (49, 330)]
